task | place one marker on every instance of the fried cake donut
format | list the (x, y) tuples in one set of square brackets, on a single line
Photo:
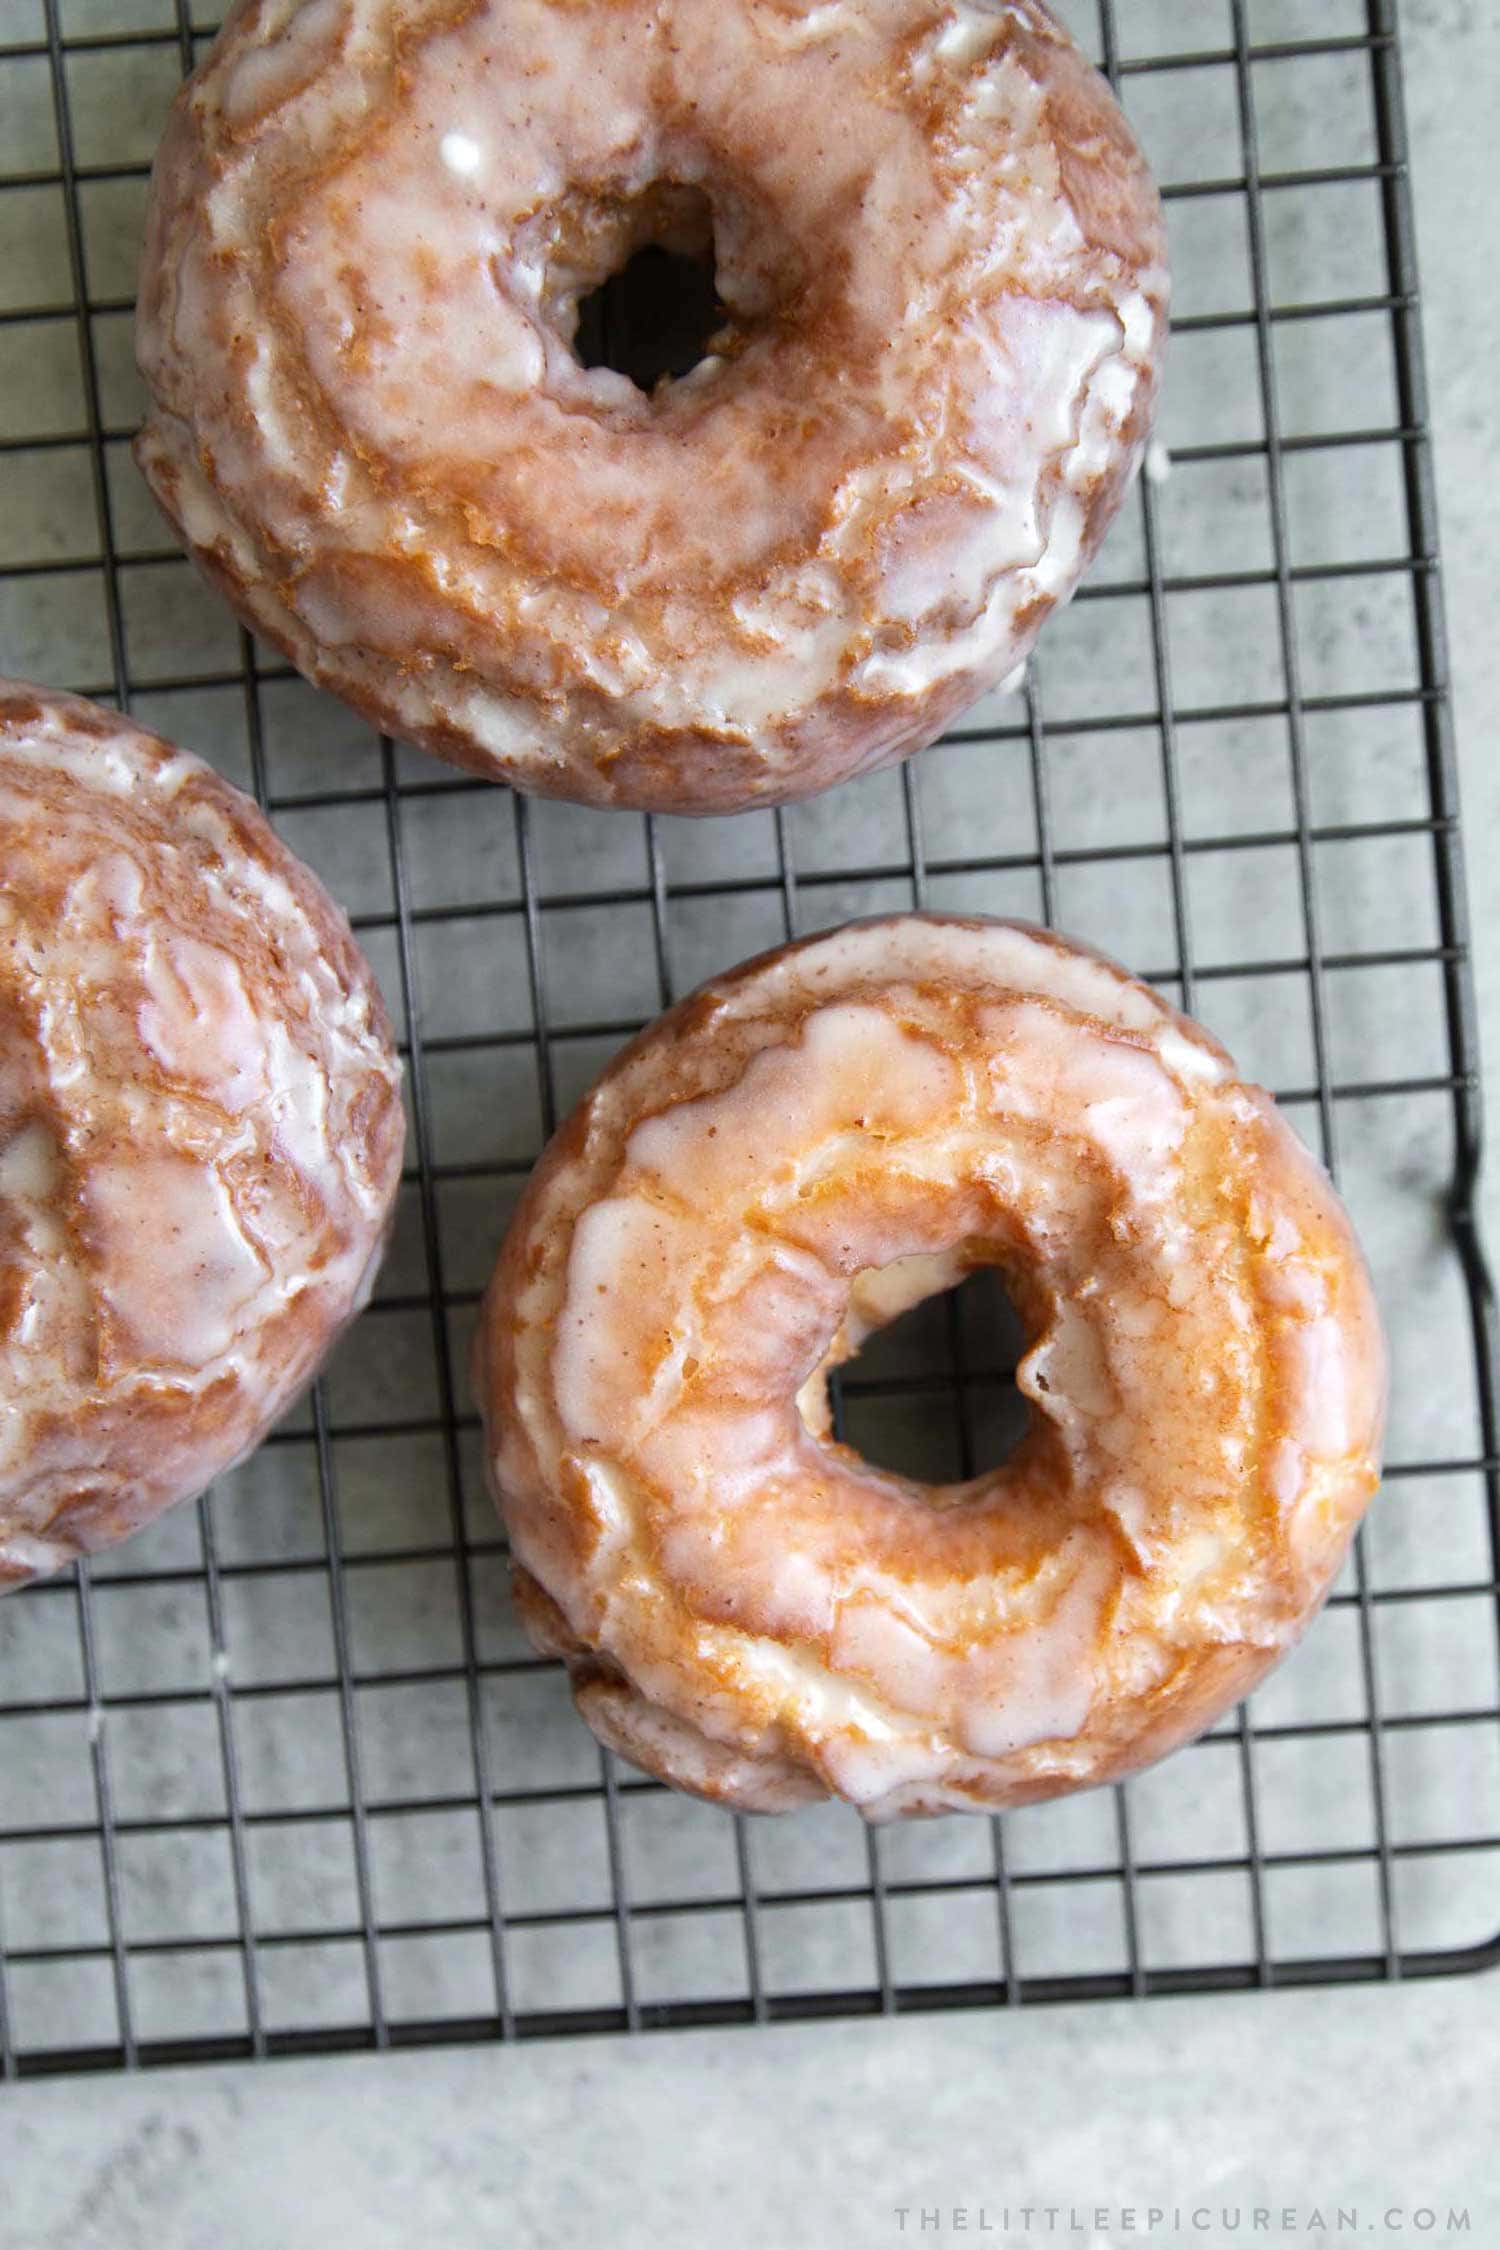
[(939, 268), (200, 1127), (786, 1161)]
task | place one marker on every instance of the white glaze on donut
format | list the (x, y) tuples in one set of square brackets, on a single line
[(786, 1161), (200, 1127), (941, 260)]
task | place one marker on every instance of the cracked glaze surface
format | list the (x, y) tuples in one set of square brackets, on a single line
[(942, 265), (781, 1164), (200, 1127)]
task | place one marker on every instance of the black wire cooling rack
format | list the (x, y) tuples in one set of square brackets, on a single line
[(281, 1777)]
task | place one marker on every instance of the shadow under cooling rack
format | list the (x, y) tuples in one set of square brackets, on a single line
[(282, 1776)]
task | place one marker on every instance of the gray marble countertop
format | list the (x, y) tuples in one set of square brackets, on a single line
[(1376, 2100), (804, 2138)]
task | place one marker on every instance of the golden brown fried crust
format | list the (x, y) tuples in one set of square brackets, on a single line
[(200, 1127), (942, 263)]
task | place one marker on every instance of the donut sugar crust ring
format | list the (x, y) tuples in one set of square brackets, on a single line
[(939, 264), (780, 1165), (200, 1128)]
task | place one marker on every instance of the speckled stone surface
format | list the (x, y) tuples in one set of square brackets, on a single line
[(821, 2135), (803, 2139)]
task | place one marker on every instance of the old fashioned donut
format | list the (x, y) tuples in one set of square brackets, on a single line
[(200, 1127), (780, 1165), (941, 301)]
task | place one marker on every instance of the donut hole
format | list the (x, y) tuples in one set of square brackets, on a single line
[(640, 282), (652, 320), (931, 1393)]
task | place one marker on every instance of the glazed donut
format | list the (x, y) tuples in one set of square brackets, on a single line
[(200, 1128), (938, 262), (780, 1165)]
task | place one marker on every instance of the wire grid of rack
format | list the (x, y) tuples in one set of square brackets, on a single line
[(281, 1776)]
